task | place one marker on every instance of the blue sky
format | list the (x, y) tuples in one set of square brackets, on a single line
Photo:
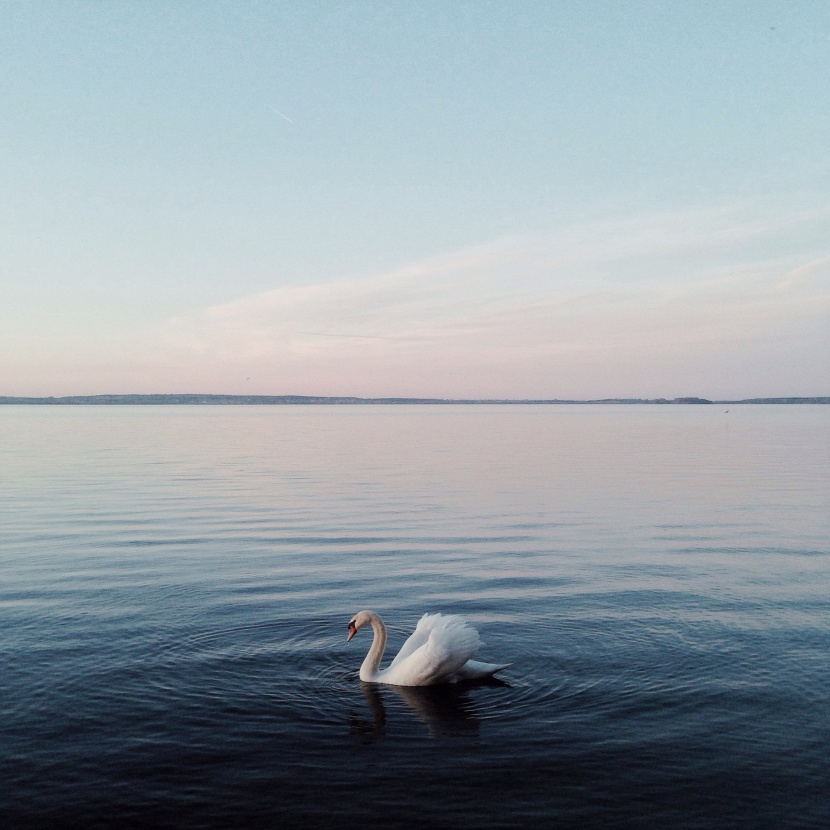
[(420, 198)]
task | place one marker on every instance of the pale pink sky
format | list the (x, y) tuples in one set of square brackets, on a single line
[(697, 303), (546, 200)]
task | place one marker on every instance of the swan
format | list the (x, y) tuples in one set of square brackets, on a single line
[(439, 651)]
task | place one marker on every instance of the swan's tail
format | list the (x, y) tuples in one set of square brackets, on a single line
[(476, 670)]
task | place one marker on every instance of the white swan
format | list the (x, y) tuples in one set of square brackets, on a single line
[(439, 651)]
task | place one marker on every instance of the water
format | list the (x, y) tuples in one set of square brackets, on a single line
[(175, 585)]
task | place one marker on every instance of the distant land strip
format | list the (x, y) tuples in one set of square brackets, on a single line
[(296, 400)]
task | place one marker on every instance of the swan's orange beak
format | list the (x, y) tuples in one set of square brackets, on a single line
[(352, 632)]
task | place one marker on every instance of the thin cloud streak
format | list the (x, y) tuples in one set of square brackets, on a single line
[(705, 308), (270, 106)]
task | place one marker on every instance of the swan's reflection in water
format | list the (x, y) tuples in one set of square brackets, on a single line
[(368, 731), (448, 711)]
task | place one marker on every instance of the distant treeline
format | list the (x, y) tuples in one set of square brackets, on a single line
[(294, 400)]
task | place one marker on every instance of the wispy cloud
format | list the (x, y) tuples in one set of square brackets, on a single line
[(638, 307)]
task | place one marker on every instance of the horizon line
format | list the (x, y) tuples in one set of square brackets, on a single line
[(190, 398)]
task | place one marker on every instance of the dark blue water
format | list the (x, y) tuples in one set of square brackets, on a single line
[(175, 585)]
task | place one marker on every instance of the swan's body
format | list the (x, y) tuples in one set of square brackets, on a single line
[(439, 651)]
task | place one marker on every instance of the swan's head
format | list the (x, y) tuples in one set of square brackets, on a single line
[(357, 622)]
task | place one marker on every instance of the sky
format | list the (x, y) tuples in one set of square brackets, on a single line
[(452, 199)]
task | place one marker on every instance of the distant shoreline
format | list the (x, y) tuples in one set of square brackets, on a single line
[(299, 400)]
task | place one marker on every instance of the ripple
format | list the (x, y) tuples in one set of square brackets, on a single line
[(299, 667)]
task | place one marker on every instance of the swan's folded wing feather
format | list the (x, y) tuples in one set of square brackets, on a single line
[(417, 638), (453, 644)]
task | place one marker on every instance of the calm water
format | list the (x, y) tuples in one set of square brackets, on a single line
[(175, 585)]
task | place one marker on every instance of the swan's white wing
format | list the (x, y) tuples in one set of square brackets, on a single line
[(418, 637), (450, 643)]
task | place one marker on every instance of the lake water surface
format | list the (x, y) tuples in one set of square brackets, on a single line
[(175, 584)]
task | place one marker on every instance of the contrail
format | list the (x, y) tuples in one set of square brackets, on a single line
[(280, 114)]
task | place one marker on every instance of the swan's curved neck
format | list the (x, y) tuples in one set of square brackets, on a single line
[(371, 665)]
